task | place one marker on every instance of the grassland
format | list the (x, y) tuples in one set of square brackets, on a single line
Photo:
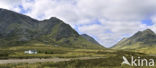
[(112, 59), (46, 51), (109, 58)]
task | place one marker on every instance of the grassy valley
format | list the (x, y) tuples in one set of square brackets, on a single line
[(108, 59), (46, 51)]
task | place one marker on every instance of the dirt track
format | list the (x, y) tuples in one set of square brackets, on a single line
[(42, 60)]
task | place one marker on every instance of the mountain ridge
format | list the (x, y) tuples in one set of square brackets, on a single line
[(89, 38), (18, 29), (140, 39)]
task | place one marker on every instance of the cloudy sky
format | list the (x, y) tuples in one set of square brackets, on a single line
[(108, 21)]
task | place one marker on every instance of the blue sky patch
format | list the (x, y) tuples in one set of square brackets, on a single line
[(147, 22), (22, 10)]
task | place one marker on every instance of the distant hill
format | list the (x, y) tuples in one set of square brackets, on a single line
[(141, 39), (17, 29), (89, 38)]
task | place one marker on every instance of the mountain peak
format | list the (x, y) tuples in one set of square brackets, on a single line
[(18, 29), (89, 38), (85, 35), (143, 33), (146, 37), (143, 36), (148, 31), (53, 20)]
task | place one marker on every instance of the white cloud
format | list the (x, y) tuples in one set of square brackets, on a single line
[(110, 32), (118, 18), (10, 4)]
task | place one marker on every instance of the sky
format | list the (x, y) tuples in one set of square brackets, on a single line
[(108, 21)]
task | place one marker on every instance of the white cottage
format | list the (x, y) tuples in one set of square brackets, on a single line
[(30, 52)]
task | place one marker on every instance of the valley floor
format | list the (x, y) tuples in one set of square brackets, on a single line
[(58, 57), (35, 60), (84, 62)]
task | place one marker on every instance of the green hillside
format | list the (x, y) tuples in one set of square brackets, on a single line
[(89, 38), (17, 30), (141, 39)]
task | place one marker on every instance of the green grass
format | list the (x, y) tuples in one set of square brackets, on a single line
[(113, 61), (147, 50), (111, 58), (46, 51)]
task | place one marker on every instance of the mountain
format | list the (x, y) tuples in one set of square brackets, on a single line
[(140, 39), (89, 38), (17, 29)]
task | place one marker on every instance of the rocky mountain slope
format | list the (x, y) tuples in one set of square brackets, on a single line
[(89, 38), (17, 29), (140, 39)]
